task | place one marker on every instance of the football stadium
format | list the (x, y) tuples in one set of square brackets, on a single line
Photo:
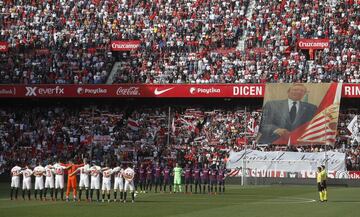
[(179, 108)]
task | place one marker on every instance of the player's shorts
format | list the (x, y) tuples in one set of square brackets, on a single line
[(95, 184), (129, 185), (106, 185), (158, 180), (177, 181), (221, 182), (167, 181), (26, 184), (188, 181), (320, 188), (119, 184), (197, 181), (324, 184), (59, 181), (213, 182), (205, 181), (149, 180), (39, 183), (49, 182), (15, 182), (84, 182)]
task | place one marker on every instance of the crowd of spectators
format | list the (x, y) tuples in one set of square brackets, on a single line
[(137, 134), (183, 41), (276, 26), (54, 42)]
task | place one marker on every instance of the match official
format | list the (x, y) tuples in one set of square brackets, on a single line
[(323, 178), (319, 184)]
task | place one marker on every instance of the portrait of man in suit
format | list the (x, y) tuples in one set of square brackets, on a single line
[(280, 117)]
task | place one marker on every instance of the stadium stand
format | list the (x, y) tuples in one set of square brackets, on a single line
[(183, 41), (128, 133)]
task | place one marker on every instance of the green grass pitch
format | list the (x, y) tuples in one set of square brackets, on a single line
[(262, 201)]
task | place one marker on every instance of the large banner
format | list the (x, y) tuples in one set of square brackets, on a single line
[(300, 114), (237, 172), (286, 161), (260, 173), (133, 90), (125, 45)]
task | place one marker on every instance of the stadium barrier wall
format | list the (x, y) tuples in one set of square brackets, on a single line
[(5, 178), (148, 91), (291, 181)]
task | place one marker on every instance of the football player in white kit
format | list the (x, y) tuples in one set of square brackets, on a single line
[(128, 175), (106, 182), (84, 178), (59, 179), (118, 182), (26, 185), (95, 181), (49, 180), (15, 181), (39, 172)]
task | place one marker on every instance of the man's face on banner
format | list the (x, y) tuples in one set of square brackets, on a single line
[(296, 92)]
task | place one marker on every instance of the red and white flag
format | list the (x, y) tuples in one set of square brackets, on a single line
[(322, 128), (132, 124), (234, 172), (251, 126)]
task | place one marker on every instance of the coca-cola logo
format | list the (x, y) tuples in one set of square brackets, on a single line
[(35, 91), (128, 91)]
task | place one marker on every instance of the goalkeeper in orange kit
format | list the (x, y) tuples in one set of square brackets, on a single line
[(72, 182)]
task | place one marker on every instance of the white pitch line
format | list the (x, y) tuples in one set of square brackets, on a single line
[(288, 200)]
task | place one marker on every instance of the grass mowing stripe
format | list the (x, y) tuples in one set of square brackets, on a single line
[(268, 201)]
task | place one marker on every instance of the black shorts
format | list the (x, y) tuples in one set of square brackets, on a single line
[(188, 181), (324, 184), (167, 181), (205, 181), (213, 182), (158, 181), (197, 182), (221, 182), (320, 187)]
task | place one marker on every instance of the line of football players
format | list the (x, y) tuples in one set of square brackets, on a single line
[(54, 181), (203, 179), (144, 178)]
